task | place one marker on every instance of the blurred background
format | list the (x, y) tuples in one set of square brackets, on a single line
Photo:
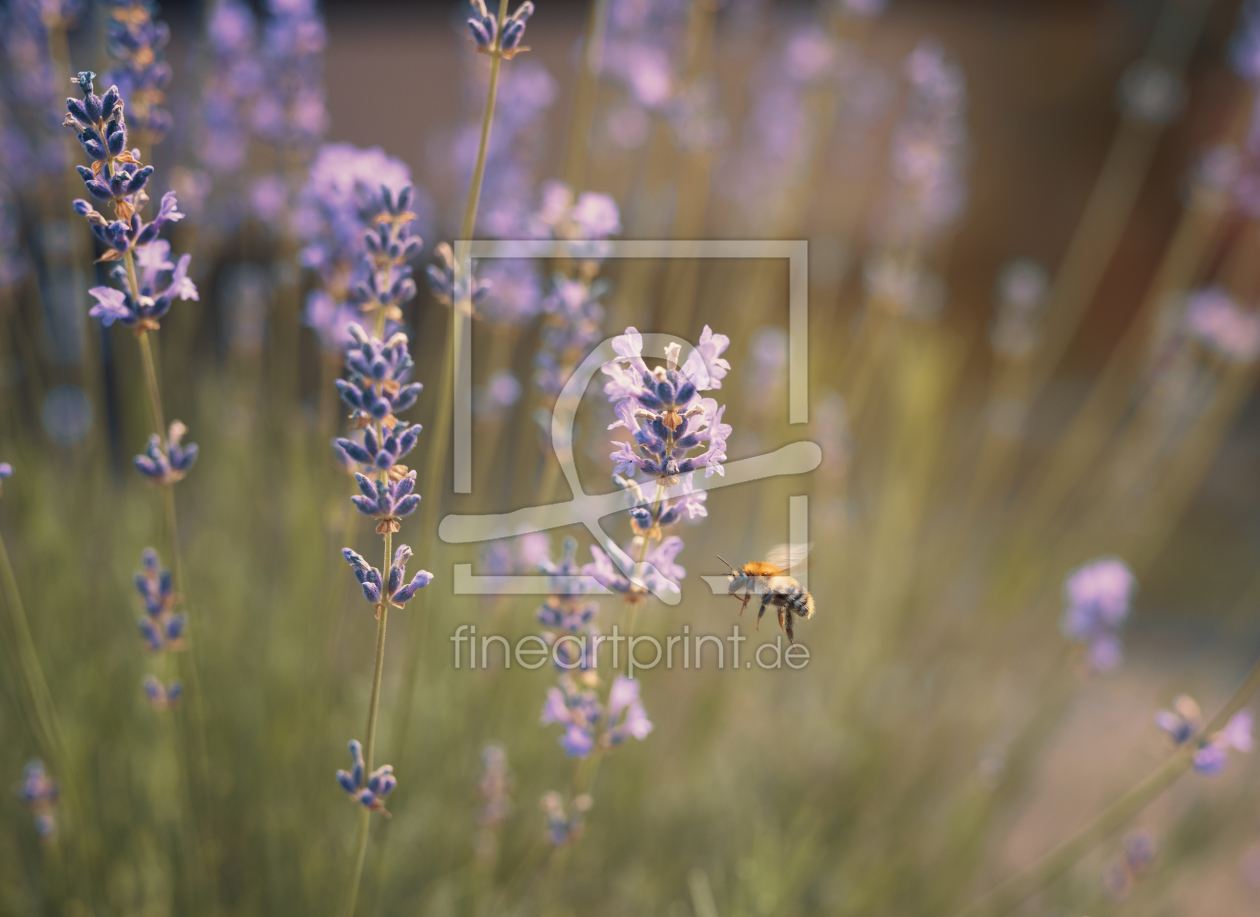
[(1033, 343)]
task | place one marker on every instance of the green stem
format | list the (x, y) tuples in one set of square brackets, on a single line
[(369, 743), (44, 714), (1015, 889), (487, 119), (154, 394), (585, 95)]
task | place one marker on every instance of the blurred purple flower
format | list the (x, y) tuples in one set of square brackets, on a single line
[(562, 828), (368, 790), (1097, 598), (1221, 325), (1185, 722), (39, 794)]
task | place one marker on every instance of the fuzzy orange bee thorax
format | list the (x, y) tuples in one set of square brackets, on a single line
[(760, 568)]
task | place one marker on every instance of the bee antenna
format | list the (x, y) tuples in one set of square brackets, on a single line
[(725, 561)]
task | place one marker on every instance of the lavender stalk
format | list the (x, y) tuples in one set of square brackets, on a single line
[(378, 388)]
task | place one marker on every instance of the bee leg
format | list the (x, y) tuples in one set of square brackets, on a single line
[(747, 596), (765, 601), (785, 621)]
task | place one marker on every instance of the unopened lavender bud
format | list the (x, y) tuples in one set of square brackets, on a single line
[(347, 782), (150, 634)]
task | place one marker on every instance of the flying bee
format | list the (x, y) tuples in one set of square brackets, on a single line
[(769, 579)]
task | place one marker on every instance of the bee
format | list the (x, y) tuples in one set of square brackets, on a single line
[(769, 579)]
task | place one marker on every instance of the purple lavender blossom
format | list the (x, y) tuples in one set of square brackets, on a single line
[(588, 723), (562, 828), (387, 500), (485, 30), (929, 151), (162, 627), (514, 294), (573, 316), (165, 463), (590, 215), (33, 82), (290, 111), (660, 575), (448, 285), (1245, 43), (162, 696), (161, 281), (1217, 322), (117, 177), (1097, 598), (1185, 723), (579, 711), (376, 390), (135, 39), (368, 792), (6, 472), (1135, 859), (39, 794), (564, 576), (566, 617), (220, 127), (626, 715), (355, 218), (676, 419), (397, 592)]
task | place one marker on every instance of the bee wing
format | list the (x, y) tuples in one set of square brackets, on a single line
[(787, 556)]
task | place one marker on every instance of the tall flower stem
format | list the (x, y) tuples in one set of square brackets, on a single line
[(1006, 896), (487, 119), (585, 94), (369, 744), (43, 714), (201, 753)]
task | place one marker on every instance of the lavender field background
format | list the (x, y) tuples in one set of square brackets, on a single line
[(1033, 352)]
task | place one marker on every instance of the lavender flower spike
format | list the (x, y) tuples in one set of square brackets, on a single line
[(1184, 723), (6, 472), (663, 410), (39, 794), (485, 30), (396, 593), (1097, 597), (165, 468), (162, 628), (562, 828), (370, 791)]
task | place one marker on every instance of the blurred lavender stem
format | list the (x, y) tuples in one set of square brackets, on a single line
[(1112, 199), (585, 95), (1110, 395), (43, 714), (1010, 893)]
